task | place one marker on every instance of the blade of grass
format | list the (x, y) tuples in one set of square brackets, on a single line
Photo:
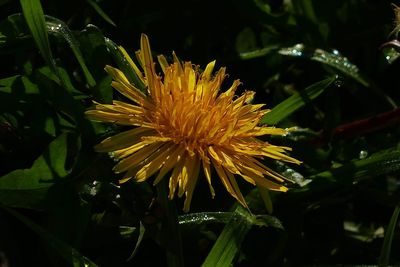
[(170, 227), (387, 242), (100, 11), (384, 162), (142, 230), (296, 101), (333, 59), (58, 27), (204, 217), (229, 241), (33, 13)]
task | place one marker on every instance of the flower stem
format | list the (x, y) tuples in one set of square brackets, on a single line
[(170, 232)]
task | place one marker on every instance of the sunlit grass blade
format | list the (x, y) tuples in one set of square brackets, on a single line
[(100, 11), (296, 101), (58, 27), (193, 219), (387, 242), (71, 255), (33, 13), (229, 241)]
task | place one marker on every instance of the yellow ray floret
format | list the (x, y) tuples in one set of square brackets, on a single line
[(184, 123)]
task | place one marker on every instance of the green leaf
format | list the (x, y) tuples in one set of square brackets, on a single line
[(258, 53), (100, 11), (193, 219), (71, 255), (261, 12), (171, 234), (7, 83), (33, 13), (305, 8), (233, 234), (142, 230), (26, 187), (387, 242), (333, 59), (11, 29), (391, 54), (384, 162), (59, 28), (266, 198), (296, 101), (230, 240)]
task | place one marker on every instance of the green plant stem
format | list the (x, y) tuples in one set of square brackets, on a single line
[(170, 227)]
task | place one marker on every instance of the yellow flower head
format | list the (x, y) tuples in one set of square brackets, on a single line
[(184, 124)]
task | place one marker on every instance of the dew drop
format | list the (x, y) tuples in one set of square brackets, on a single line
[(363, 154)]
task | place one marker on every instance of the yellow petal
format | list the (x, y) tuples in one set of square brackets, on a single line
[(226, 179), (193, 174), (207, 172), (154, 164), (171, 160), (130, 61), (163, 62), (137, 157), (175, 177), (123, 140)]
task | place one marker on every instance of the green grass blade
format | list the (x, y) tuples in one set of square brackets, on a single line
[(58, 27), (193, 219), (258, 53), (333, 59), (70, 254), (100, 11), (230, 239), (171, 234), (142, 230), (384, 162), (33, 13), (387, 242), (296, 101)]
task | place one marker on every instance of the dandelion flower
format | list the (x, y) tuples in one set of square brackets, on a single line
[(183, 124)]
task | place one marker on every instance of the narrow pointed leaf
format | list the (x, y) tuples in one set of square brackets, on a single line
[(142, 230), (100, 11), (200, 218), (384, 162), (33, 13), (333, 59), (58, 27), (229, 241), (296, 101), (387, 242)]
